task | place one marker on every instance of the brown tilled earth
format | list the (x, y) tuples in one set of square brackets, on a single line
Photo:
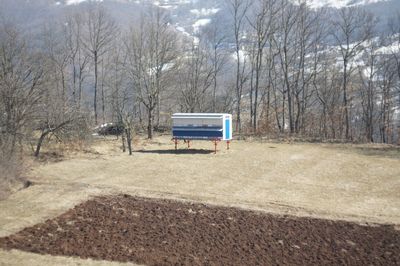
[(165, 232)]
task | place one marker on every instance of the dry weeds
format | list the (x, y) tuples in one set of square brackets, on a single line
[(336, 181)]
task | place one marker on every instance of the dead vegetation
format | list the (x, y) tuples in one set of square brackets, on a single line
[(12, 177), (357, 183)]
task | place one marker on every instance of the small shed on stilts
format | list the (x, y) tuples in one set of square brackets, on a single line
[(214, 127)]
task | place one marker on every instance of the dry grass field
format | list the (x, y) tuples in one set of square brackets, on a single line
[(358, 183)]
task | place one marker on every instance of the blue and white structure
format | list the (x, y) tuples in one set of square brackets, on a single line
[(202, 126)]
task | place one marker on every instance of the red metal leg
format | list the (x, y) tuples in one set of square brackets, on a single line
[(227, 144), (188, 142), (215, 146), (176, 144)]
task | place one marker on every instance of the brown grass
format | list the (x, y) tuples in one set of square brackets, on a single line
[(335, 181), (11, 179)]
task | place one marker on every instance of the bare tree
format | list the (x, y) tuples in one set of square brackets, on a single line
[(261, 21), (152, 52), (215, 38), (125, 108), (368, 75), (238, 10), (285, 44), (57, 60), (123, 98), (385, 85), (327, 88), (394, 38), (100, 31), (58, 115), (21, 91), (284, 71), (195, 78), (351, 29), (79, 58)]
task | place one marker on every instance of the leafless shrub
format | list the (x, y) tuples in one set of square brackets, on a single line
[(11, 174)]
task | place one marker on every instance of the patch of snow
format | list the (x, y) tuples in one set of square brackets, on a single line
[(390, 49), (76, 2), (183, 31), (200, 23), (165, 67), (204, 11), (337, 3), (196, 41), (242, 56), (168, 7)]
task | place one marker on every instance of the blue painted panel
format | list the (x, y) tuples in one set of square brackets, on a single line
[(227, 129), (197, 134), (196, 138), (197, 128)]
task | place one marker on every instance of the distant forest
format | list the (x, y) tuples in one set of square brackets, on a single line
[(282, 70)]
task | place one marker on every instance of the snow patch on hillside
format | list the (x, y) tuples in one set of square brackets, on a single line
[(76, 2), (338, 3), (390, 49), (204, 12), (200, 23)]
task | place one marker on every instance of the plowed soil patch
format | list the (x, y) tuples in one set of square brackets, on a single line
[(163, 232)]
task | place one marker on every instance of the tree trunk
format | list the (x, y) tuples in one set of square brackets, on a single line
[(288, 90), (150, 124), (283, 112), (238, 121), (123, 141), (129, 140), (40, 142), (80, 89), (238, 78), (251, 95), (298, 114), (267, 110), (103, 106), (345, 102), (275, 101), (74, 81), (158, 111), (95, 87), (324, 123), (215, 79), (258, 70)]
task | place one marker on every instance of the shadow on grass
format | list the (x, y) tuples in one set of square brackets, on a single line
[(378, 150), (388, 151), (179, 151), (53, 157)]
